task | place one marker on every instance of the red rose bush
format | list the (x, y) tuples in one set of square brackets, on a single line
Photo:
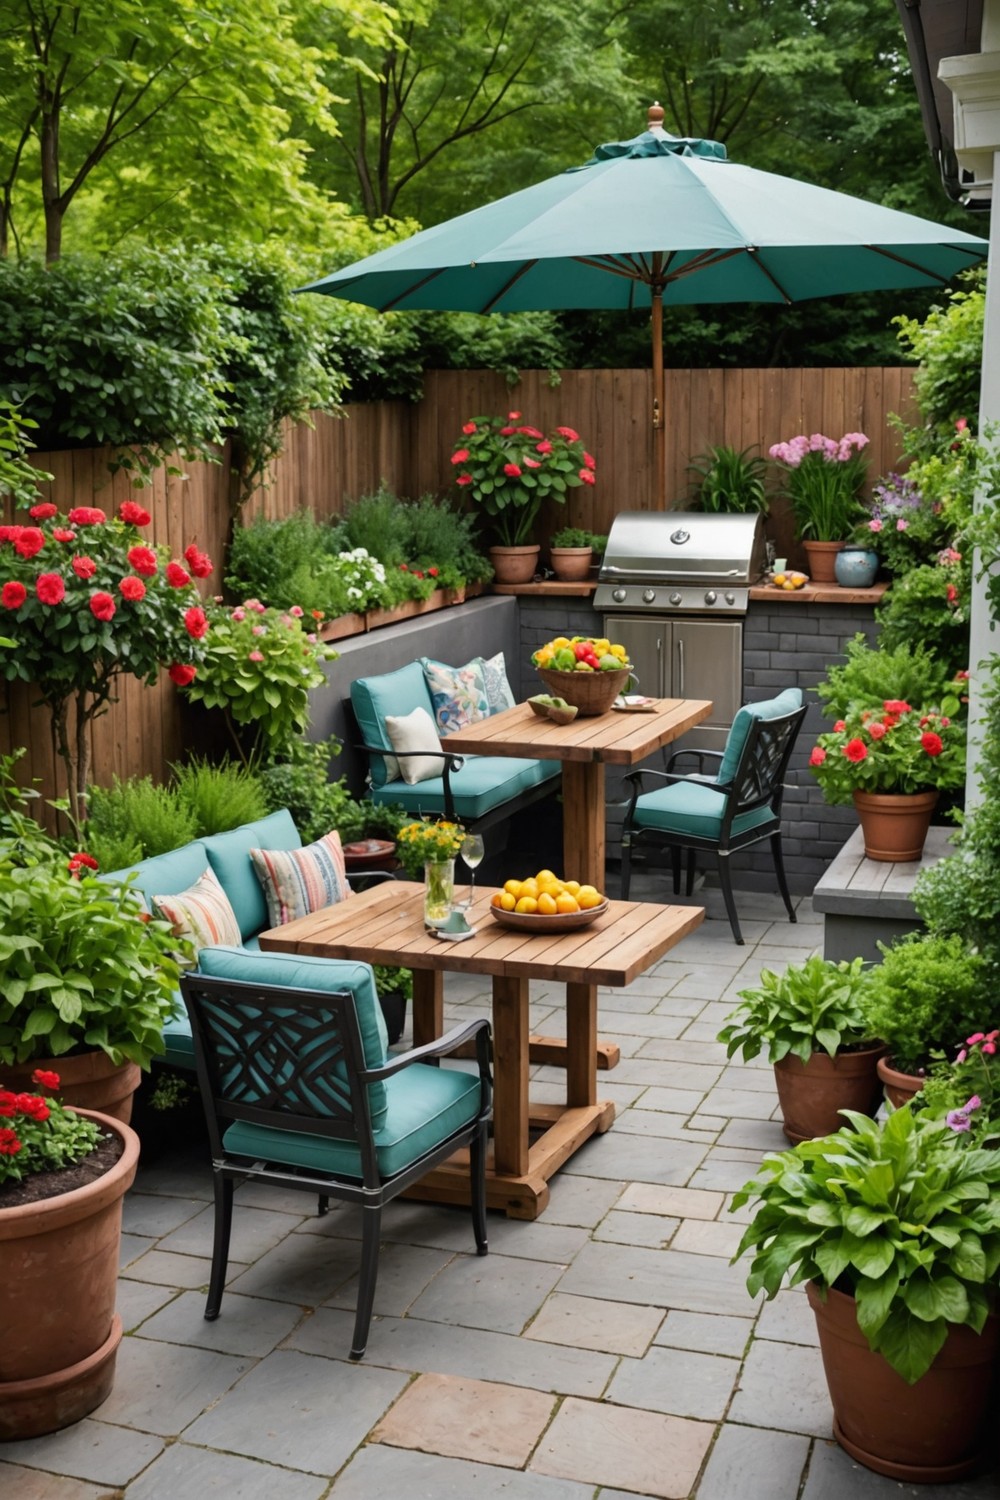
[(509, 468), (891, 748)]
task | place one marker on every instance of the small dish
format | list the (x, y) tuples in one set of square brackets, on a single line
[(635, 703), (541, 709), (562, 715)]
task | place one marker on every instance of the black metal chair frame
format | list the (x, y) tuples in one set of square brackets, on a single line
[(232, 1008), (757, 782)]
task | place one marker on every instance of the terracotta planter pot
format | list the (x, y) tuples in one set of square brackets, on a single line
[(342, 627), (812, 1093), (900, 1088), (88, 1080), (514, 564), (821, 560), (926, 1433), (57, 1299), (370, 854), (571, 564), (894, 824)]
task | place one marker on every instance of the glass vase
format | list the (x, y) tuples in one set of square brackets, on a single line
[(439, 891)]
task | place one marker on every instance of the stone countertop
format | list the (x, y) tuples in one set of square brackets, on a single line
[(812, 593)]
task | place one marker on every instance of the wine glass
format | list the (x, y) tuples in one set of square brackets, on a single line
[(473, 851)]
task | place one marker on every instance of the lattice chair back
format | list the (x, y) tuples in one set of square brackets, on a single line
[(757, 781)]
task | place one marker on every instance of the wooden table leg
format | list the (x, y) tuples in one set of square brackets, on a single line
[(428, 1005), (583, 822), (581, 1044), (510, 1076)]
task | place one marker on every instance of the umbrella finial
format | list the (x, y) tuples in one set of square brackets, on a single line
[(655, 120)]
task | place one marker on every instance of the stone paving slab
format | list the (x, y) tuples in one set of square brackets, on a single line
[(458, 1418), (183, 1472), (29, 1482), (378, 1471), (642, 1451)]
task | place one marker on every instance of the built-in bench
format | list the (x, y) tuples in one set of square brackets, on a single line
[(865, 901)]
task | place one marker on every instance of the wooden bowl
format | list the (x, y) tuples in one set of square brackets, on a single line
[(561, 921), (590, 692)]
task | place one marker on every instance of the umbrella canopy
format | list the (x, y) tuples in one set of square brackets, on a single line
[(655, 220)]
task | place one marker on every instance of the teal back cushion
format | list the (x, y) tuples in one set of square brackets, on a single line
[(773, 708), (393, 693), (165, 874), (319, 974), (229, 856)]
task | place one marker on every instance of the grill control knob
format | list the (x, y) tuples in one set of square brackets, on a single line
[(649, 596), (676, 599), (710, 596), (730, 597), (619, 596)]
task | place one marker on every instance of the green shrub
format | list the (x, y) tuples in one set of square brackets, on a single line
[(136, 815), (727, 479), (870, 675), (220, 796), (265, 556), (926, 996), (948, 346), (300, 781), (930, 603), (377, 523)]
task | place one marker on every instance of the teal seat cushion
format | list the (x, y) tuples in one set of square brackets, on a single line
[(229, 856), (165, 874), (372, 698), (177, 1041), (305, 973), (772, 708), (483, 783), (425, 1106), (694, 809)]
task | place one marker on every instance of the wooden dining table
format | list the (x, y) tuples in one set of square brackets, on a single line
[(585, 747), (531, 1140)]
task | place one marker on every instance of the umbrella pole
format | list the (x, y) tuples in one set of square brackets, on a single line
[(659, 407)]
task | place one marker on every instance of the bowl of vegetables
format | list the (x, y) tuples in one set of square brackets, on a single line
[(589, 672)]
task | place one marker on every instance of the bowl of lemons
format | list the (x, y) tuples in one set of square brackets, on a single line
[(546, 903)]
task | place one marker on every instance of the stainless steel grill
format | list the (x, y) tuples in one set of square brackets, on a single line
[(674, 589)]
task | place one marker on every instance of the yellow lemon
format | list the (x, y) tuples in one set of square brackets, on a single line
[(507, 902), (513, 887), (544, 877), (588, 897), (779, 578), (527, 904), (529, 887), (547, 904), (573, 887), (566, 903)]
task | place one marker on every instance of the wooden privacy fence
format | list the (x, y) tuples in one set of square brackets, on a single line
[(409, 447)]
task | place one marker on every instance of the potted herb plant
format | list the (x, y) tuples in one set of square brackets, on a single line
[(63, 1176), (570, 552), (891, 761), (895, 1228), (822, 479), (509, 468), (818, 1038), (926, 994)]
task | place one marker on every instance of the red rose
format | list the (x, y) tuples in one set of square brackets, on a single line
[(102, 606), (8, 1103), (195, 622), (513, 471), (464, 479), (30, 541), (587, 477), (840, 724), (9, 1143), (50, 588), (45, 1079), (817, 755), (181, 674), (877, 731), (43, 512), (896, 706), (13, 595), (856, 750), (543, 447), (177, 577), (142, 559), (932, 743), (133, 514), (507, 431), (60, 534), (84, 567), (460, 455), (568, 434), (589, 461), (132, 589), (469, 428), (86, 515), (199, 562), (78, 862)]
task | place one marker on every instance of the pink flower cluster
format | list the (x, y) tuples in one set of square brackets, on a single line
[(832, 451)]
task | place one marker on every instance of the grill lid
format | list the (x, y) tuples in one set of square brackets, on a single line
[(684, 547)]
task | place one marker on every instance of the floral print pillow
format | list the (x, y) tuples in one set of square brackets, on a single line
[(458, 693)]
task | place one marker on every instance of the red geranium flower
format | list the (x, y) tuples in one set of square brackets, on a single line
[(199, 562), (507, 431), (840, 724), (86, 515), (13, 595), (81, 861), (142, 559), (102, 606), (951, 594), (896, 706), (589, 461), (469, 428), (177, 577), (182, 674), (877, 731), (932, 742), (8, 1103), (60, 534), (531, 432), (132, 589), (43, 512), (195, 622), (10, 533), (133, 514), (33, 1106), (9, 1143), (460, 455), (50, 588), (464, 479), (84, 567), (432, 572), (587, 477), (30, 541), (856, 750), (569, 434), (45, 1078), (532, 463), (513, 471), (513, 416), (544, 446), (817, 755)]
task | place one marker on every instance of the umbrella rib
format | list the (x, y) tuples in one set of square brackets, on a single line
[(754, 254), (706, 258), (914, 265), (521, 271), (608, 263), (416, 287)]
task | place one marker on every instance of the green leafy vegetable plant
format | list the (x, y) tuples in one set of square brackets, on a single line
[(928, 993), (811, 1007), (898, 1216)]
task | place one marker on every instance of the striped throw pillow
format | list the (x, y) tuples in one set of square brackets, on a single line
[(202, 913), (298, 881)]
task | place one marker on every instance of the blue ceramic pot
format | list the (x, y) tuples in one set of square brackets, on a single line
[(855, 567)]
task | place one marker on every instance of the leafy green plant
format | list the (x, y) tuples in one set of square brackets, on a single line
[(948, 348), (930, 604), (39, 1133), (811, 1007), (509, 469), (871, 674), (18, 478), (571, 536), (389, 980), (300, 780), (377, 523), (265, 557), (728, 479), (135, 819), (896, 1216), (890, 749), (219, 795), (441, 537), (924, 996)]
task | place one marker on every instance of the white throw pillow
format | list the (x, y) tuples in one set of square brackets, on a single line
[(415, 731)]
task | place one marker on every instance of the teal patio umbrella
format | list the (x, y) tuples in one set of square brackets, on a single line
[(652, 221)]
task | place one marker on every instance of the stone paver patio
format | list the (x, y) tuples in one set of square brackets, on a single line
[(606, 1349)]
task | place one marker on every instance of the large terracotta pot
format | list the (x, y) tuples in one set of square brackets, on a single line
[(930, 1432), (900, 1088), (87, 1080), (812, 1093), (514, 564), (60, 1331), (894, 824), (821, 559)]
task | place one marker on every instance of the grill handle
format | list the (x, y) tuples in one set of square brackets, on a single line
[(680, 666), (639, 575)]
